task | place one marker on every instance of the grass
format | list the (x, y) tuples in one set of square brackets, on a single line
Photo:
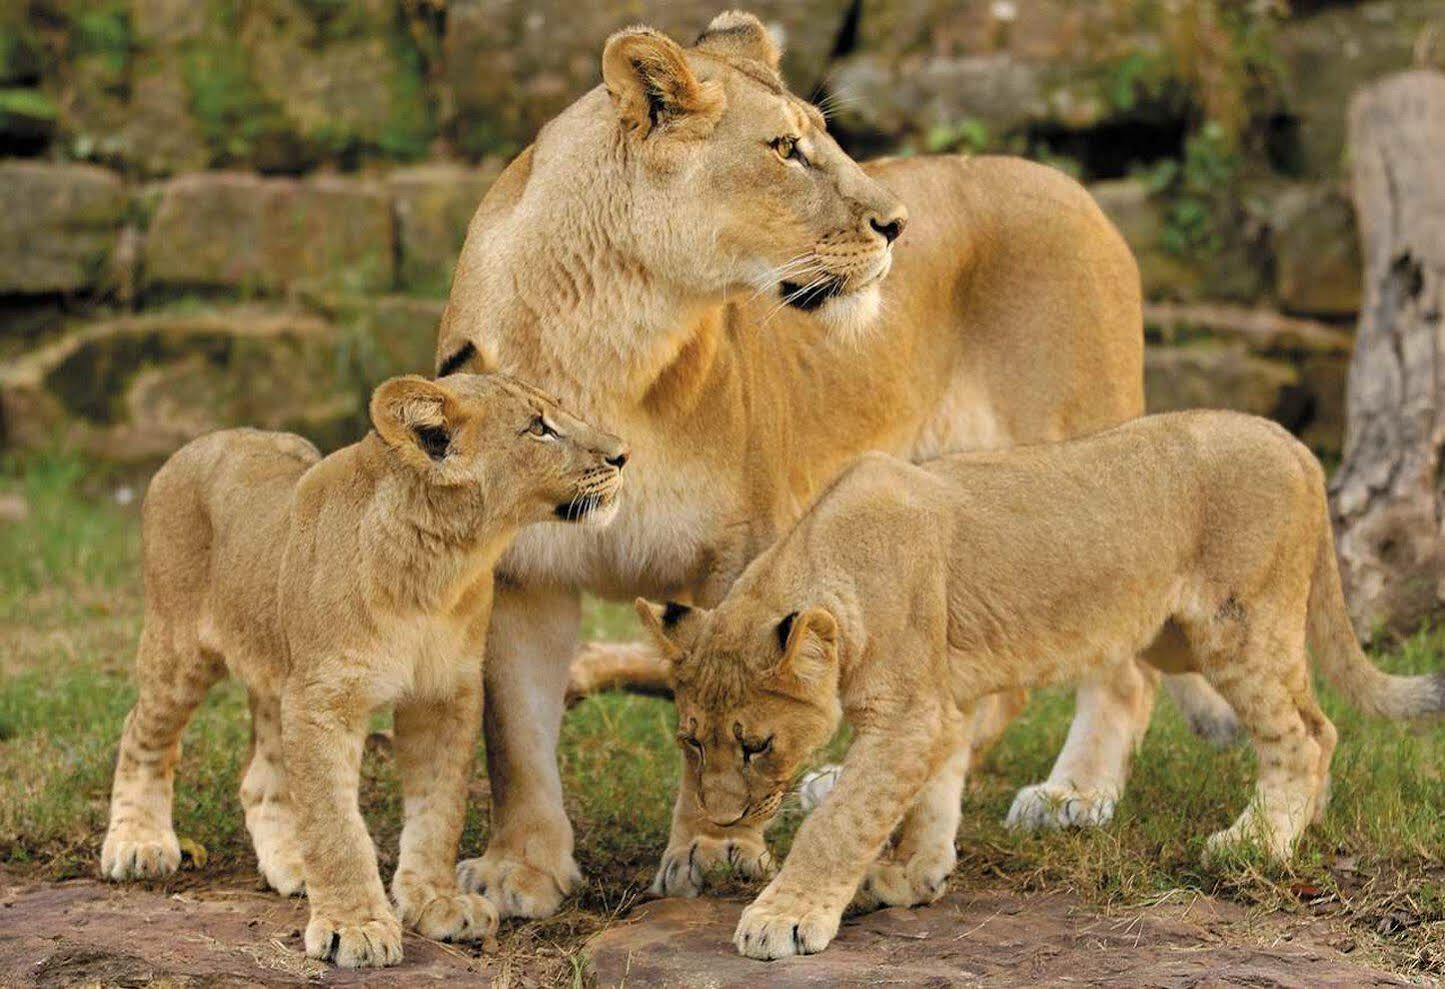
[(70, 610)]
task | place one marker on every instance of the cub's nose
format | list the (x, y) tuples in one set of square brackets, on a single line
[(620, 459), (889, 226)]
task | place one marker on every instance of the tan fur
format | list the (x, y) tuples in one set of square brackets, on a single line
[(1200, 540), (631, 261), (332, 587)]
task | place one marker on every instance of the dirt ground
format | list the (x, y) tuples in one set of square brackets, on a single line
[(84, 932)]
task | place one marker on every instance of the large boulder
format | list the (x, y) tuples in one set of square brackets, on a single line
[(59, 225), (512, 66), (242, 232), (1140, 218), (1209, 376), (434, 204), (1316, 252), (134, 389)]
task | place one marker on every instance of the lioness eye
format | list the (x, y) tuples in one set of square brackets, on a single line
[(787, 148)]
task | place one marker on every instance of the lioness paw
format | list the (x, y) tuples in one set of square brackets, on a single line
[(918, 880), (767, 932), (517, 888), (1049, 805), (365, 942), (686, 869), (450, 916), (138, 853)]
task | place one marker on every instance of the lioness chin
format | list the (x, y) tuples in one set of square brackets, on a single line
[(332, 587), (907, 594)]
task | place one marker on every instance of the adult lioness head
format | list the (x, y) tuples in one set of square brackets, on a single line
[(756, 697), (723, 180), (513, 443)]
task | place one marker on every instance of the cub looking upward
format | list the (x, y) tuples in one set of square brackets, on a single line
[(908, 593), (331, 587)]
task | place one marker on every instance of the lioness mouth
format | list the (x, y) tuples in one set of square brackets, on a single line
[(810, 297)]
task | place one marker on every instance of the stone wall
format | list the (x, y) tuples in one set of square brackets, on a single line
[(182, 181)]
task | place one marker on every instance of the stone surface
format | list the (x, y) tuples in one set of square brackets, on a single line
[(512, 66), (134, 389), (384, 335), (1316, 252), (434, 203), (89, 933), (977, 939), (58, 226), (1207, 376), (239, 231)]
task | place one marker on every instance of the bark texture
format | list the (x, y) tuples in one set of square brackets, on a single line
[(1388, 491)]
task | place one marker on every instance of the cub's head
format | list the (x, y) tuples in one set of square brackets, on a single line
[(511, 442), (732, 182), (757, 695)]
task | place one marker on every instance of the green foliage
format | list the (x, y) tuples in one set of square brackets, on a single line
[(233, 114), (969, 135), (1198, 194), (26, 104)]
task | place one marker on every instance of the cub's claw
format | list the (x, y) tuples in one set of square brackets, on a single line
[(135, 853), (766, 932), (517, 888), (449, 916), (685, 869), (1048, 805), (367, 942)]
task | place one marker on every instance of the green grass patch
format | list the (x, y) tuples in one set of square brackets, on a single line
[(70, 612)]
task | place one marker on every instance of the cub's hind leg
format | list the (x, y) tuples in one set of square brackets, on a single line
[(266, 801), (1266, 681), (173, 674), (916, 869)]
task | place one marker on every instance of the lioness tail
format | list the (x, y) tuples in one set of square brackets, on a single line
[(1337, 651)]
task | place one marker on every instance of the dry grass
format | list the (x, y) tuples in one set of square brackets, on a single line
[(70, 613)]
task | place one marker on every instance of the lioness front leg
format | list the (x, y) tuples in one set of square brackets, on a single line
[(697, 849), (916, 869), (799, 911), (1111, 715), (323, 725), (528, 866), (434, 745)]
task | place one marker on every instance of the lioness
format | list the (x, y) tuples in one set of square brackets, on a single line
[(688, 258), (1200, 540), (332, 587)]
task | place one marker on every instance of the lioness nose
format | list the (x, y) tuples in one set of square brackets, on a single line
[(890, 226), (620, 459)]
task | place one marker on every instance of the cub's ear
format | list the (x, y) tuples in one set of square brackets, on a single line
[(673, 626), (809, 643), (654, 90), (412, 413), (741, 35)]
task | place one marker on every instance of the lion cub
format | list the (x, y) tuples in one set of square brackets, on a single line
[(909, 592), (332, 587)]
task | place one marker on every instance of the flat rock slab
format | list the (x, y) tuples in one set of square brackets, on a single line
[(980, 939), (90, 933)]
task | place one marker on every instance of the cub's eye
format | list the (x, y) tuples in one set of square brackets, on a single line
[(689, 742), (787, 149), (540, 429), (751, 748)]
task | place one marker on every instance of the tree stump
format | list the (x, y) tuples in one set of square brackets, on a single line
[(1388, 501)]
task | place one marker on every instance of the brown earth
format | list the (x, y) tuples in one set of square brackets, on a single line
[(229, 934)]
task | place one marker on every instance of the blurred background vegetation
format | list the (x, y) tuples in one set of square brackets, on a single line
[(215, 211)]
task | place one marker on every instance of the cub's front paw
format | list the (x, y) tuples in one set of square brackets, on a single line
[(518, 888), (909, 883), (133, 852), (778, 929), (445, 915), (686, 869), (1050, 805), (364, 941)]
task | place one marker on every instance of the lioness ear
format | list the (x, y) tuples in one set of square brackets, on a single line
[(648, 79), (741, 35), (413, 413), (809, 643), (673, 626)]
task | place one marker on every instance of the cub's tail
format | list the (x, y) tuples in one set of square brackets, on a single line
[(1339, 656)]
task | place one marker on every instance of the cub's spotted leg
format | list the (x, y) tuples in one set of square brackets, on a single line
[(1111, 714), (799, 911), (323, 726), (174, 676), (916, 869), (434, 746), (267, 803)]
